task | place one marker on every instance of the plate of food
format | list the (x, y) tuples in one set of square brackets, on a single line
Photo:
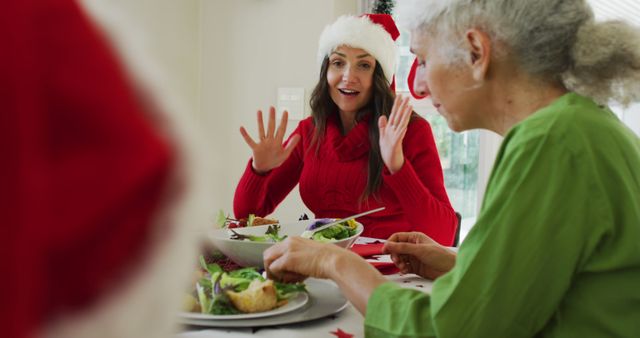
[(295, 303), (245, 245), (240, 294), (325, 299)]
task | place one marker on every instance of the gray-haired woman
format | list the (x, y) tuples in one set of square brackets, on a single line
[(556, 248)]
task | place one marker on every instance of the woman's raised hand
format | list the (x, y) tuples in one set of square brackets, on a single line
[(392, 131), (415, 252), (268, 151)]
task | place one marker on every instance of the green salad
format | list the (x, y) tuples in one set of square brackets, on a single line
[(334, 233), (239, 291), (271, 235)]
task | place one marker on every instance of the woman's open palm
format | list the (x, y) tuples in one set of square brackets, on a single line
[(269, 151), (392, 131)]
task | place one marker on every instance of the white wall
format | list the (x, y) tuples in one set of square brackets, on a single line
[(249, 49), (169, 31)]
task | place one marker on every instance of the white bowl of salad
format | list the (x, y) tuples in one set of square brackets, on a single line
[(245, 245)]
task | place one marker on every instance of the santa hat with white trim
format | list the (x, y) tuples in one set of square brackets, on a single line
[(374, 33)]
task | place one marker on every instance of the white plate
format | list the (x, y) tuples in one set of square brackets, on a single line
[(325, 300), (248, 253), (294, 303)]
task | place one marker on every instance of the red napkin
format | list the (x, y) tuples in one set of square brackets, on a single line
[(371, 249), (367, 250), (341, 334)]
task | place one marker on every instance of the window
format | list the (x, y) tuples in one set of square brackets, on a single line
[(629, 115), (459, 152)]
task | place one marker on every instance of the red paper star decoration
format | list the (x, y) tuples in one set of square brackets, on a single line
[(342, 334)]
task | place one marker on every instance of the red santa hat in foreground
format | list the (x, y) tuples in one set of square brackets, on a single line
[(101, 190), (375, 33)]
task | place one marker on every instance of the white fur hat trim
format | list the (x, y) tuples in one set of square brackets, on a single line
[(360, 32)]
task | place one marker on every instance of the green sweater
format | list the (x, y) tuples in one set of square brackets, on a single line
[(556, 248)]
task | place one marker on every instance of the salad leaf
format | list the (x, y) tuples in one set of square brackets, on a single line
[(206, 284), (212, 290), (336, 232), (285, 291), (250, 220), (246, 273), (204, 301), (224, 221), (271, 235), (333, 233), (240, 279), (220, 303), (221, 220), (210, 268), (272, 232), (252, 238)]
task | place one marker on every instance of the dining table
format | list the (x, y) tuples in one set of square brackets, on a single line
[(344, 322)]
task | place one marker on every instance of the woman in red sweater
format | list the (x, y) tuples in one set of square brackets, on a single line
[(359, 150)]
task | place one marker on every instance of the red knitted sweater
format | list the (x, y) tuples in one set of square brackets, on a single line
[(332, 180)]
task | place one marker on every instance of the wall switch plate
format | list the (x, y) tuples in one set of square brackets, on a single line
[(291, 99)]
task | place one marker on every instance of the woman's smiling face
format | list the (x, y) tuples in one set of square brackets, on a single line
[(350, 78)]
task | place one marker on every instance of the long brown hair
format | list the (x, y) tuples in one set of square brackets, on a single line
[(322, 106)]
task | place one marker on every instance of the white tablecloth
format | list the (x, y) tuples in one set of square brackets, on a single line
[(349, 321)]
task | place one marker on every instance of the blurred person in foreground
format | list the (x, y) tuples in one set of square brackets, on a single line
[(97, 200), (555, 251)]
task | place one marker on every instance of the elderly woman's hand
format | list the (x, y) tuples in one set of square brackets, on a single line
[(415, 252), (296, 258), (392, 131), (268, 152)]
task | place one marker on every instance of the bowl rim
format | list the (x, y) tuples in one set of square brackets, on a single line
[(225, 231)]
